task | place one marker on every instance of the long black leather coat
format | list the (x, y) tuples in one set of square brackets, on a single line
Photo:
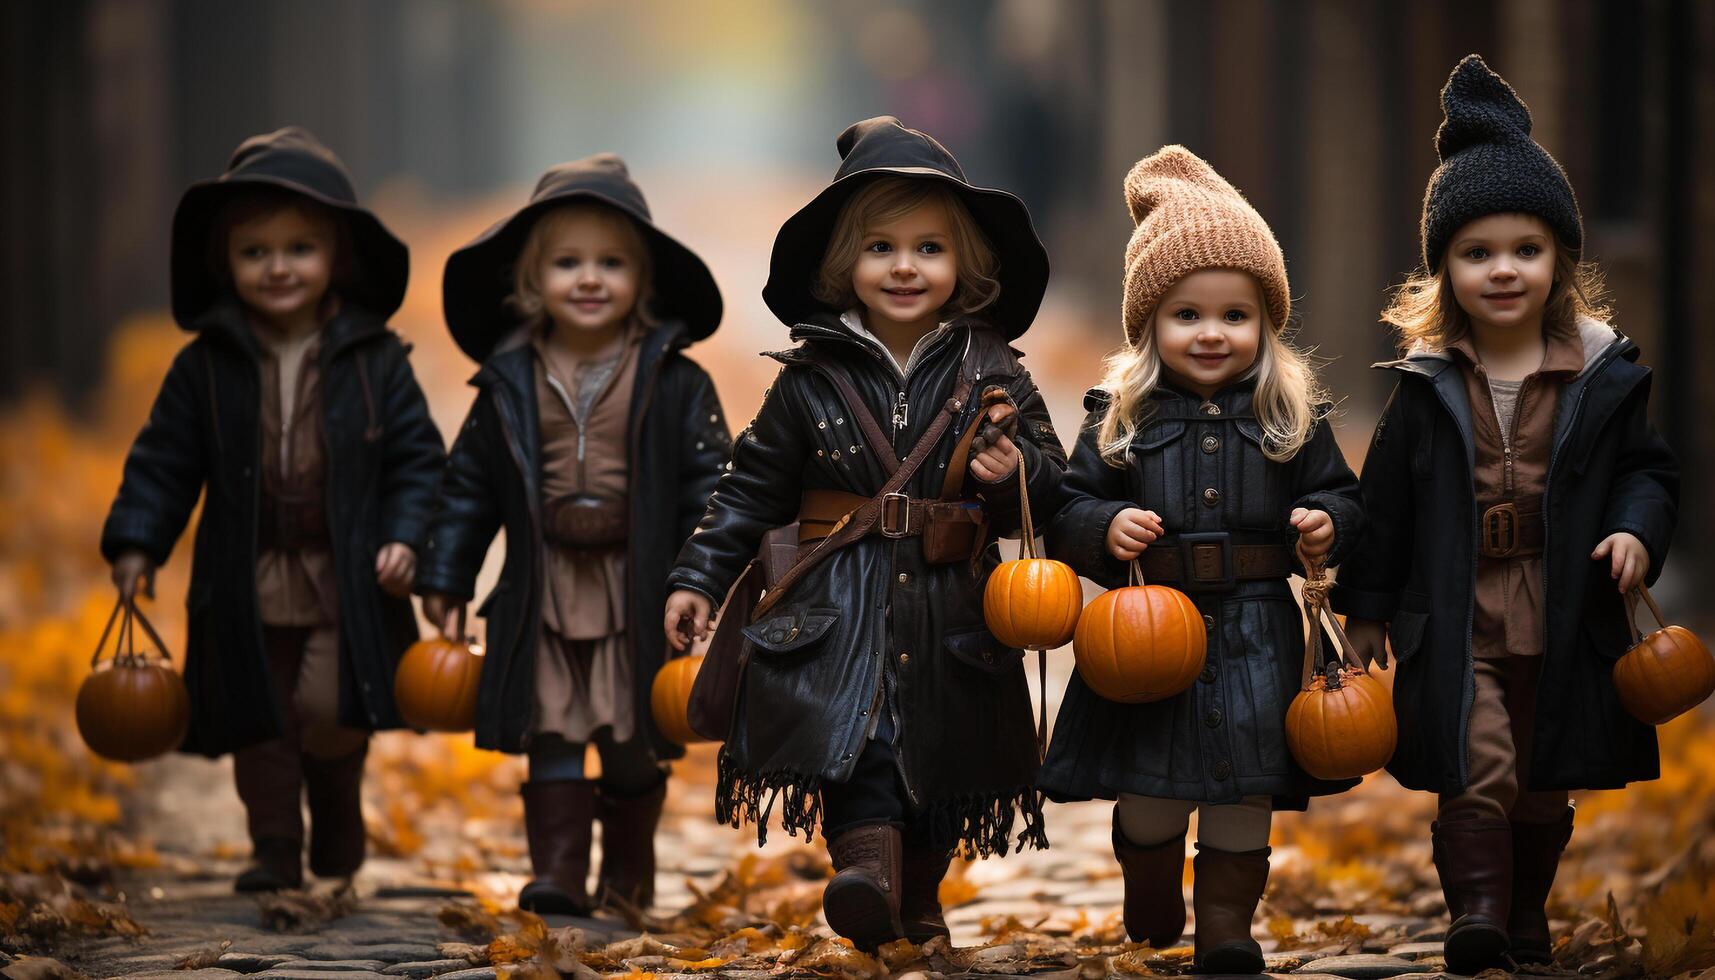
[(1608, 471), (679, 443), (879, 629), (204, 436), (1224, 737)]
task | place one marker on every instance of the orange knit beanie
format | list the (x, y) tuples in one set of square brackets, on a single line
[(1189, 218)]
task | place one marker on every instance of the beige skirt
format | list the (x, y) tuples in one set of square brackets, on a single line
[(583, 686)]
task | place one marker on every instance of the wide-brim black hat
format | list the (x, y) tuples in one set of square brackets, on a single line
[(882, 147), (479, 277), (289, 159)]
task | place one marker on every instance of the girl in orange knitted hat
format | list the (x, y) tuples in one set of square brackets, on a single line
[(1206, 455)]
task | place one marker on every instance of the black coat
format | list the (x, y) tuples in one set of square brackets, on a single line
[(879, 628), (383, 457), (1609, 471), (679, 444), (1223, 738)]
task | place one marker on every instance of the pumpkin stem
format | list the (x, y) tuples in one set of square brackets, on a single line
[(1334, 680)]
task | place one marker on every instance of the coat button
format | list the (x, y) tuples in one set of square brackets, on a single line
[(988, 656), (1208, 623), (778, 636), (905, 658), (1213, 718), (1211, 496), (904, 577), (1210, 408), (1222, 769), (1208, 674), (1211, 443)]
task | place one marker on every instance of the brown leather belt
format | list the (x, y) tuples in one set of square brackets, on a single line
[(291, 522), (1512, 529), (821, 511), (585, 523), (1210, 561)]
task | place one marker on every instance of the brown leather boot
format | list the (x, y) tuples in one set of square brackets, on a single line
[(277, 863), (1536, 857), (1154, 889), (922, 871), (558, 815), (861, 903), (1473, 855), (628, 845), (1225, 889), (335, 791)]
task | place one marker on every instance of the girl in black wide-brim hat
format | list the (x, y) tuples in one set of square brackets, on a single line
[(874, 701), (295, 414), (594, 443)]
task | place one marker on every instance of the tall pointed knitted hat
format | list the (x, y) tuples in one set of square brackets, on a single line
[(1189, 218), (1490, 164)]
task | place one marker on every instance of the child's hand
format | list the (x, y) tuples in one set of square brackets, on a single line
[(994, 457), (446, 613), (1315, 531), (687, 618), (1131, 531), (395, 567), (1628, 559), (1369, 640), (128, 568)]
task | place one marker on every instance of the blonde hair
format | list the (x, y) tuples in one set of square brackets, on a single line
[(526, 297), (890, 199), (1425, 314), (1288, 402)]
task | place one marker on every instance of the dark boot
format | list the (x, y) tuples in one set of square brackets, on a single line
[(1536, 857), (1473, 855), (1225, 889), (862, 901), (335, 791), (628, 845), (1154, 889), (922, 870), (277, 864), (557, 823)]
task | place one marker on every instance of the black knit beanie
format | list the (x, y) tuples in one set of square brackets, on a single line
[(1490, 165)]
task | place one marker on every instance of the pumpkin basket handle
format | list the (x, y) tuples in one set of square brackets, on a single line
[(124, 642), (1632, 613), (1316, 613), (1026, 526), (1136, 575)]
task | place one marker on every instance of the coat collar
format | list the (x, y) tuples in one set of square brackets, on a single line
[(513, 362), (226, 323)]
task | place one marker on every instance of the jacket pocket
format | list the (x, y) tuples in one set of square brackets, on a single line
[(792, 631), (979, 650), (1158, 435), (1405, 630)]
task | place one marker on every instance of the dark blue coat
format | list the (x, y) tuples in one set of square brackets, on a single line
[(1608, 471), (204, 437)]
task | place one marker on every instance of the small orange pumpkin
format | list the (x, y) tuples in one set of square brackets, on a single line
[(670, 699), (1141, 642), (1666, 672), (132, 707), (436, 682), (1341, 725), (1032, 602)]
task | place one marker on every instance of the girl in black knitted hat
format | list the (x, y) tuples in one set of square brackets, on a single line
[(1517, 493)]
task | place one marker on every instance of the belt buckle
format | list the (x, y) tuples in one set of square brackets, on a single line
[(895, 515), (1500, 530), (1206, 560)]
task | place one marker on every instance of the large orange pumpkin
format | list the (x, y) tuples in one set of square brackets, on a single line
[(435, 685), (1140, 643), (1666, 673), (132, 707), (1341, 725), (670, 699), (1032, 602)]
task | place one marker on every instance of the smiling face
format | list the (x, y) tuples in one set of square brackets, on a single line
[(282, 263), (1501, 268), (907, 268), (1208, 328), (589, 269)]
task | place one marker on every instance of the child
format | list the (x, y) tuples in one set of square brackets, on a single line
[(874, 700), (296, 409), (1513, 466), (594, 442), (1206, 452)]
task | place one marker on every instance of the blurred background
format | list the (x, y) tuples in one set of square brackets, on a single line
[(445, 111)]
